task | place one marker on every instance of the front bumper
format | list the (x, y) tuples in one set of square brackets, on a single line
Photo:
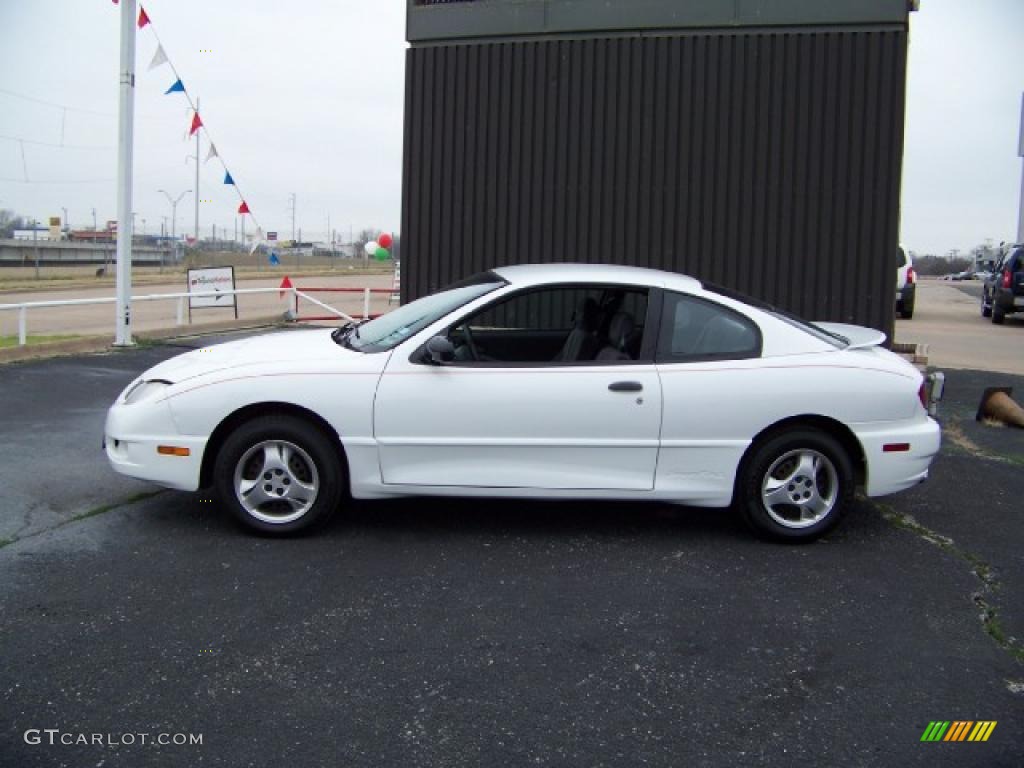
[(134, 432)]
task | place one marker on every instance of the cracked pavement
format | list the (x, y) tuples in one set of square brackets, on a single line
[(447, 632)]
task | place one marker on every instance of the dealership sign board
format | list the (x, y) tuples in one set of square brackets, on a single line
[(219, 282)]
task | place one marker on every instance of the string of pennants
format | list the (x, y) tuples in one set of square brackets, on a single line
[(178, 86)]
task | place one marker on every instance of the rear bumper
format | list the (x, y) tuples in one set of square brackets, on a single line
[(894, 470), (1007, 302)]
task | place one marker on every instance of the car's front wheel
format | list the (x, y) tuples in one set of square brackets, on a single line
[(986, 305), (279, 475), (795, 485)]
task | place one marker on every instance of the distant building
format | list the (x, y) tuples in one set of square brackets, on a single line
[(39, 233)]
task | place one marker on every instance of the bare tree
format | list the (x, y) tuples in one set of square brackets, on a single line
[(10, 221)]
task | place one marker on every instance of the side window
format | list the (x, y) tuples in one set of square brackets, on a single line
[(693, 329), (563, 325)]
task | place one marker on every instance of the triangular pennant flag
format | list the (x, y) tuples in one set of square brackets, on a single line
[(178, 87), (196, 124), (211, 153), (143, 18), (244, 207), (285, 284), (158, 58), (227, 178)]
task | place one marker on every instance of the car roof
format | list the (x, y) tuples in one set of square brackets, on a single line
[(534, 274)]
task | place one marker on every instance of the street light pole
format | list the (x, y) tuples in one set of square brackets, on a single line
[(174, 209), (1020, 153)]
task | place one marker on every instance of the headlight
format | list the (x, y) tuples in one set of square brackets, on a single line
[(145, 390)]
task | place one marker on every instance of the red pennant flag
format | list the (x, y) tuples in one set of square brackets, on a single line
[(196, 122), (143, 18), (244, 207), (286, 283)]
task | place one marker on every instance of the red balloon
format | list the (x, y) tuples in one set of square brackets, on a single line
[(385, 240)]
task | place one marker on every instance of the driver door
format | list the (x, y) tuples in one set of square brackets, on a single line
[(528, 402)]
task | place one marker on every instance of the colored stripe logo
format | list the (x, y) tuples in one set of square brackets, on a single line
[(958, 730)]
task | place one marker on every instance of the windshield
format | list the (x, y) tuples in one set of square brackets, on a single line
[(390, 330)]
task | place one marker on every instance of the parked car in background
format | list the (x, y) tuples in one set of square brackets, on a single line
[(1003, 291), (906, 286), (546, 381)]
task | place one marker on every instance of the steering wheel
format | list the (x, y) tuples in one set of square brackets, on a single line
[(470, 344)]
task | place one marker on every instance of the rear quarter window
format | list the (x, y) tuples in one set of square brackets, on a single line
[(695, 329)]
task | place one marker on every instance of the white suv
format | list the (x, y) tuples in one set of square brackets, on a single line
[(906, 287)]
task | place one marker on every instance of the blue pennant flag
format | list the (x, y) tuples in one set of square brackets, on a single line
[(178, 87), (227, 178)]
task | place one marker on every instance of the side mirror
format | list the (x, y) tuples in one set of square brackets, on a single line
[(441, 350)]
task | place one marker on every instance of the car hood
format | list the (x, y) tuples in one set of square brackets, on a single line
[(266, 350), (858, 336)]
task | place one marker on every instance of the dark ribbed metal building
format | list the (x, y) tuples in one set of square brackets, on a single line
[(754, 143)]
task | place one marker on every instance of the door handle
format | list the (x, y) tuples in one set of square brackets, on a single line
[(626, 386)]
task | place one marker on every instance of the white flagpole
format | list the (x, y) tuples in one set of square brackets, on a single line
[(125, 141)]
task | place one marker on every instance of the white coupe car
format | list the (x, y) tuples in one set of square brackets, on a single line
[(547, 381)]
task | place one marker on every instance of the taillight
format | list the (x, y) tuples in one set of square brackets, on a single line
[(922, 395), (910, 275), (1007, 279)]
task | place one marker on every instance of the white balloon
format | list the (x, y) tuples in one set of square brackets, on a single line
[(371, 247)]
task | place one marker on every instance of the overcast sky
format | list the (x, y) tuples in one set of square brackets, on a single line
[(308, 97)]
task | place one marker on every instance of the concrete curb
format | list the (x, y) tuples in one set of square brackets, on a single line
[(916, 353), (102, 344)]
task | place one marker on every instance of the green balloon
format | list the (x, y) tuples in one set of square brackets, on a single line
[(382, 254)]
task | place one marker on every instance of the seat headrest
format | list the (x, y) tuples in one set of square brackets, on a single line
[(620, 329), (587, 314)]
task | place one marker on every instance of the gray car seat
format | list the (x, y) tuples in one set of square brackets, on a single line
[(581, 343), (620, 332)]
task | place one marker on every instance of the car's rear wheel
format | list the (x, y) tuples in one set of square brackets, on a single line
[(796, 485), (998, 315), (905, 306), (279, 475), (986, 306)]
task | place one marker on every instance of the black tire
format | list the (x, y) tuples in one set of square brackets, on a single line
[(907, 311), (771, 460), (296, 471), (986, 307), (998, 316)]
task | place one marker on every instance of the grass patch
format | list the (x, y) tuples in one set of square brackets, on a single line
[(89, 513), (990, 585), (958, 441), (107, 507), (12, 341)]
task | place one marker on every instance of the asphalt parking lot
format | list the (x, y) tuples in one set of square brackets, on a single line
[(459, 633)]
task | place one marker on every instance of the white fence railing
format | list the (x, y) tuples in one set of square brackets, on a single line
[(23, 307)]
